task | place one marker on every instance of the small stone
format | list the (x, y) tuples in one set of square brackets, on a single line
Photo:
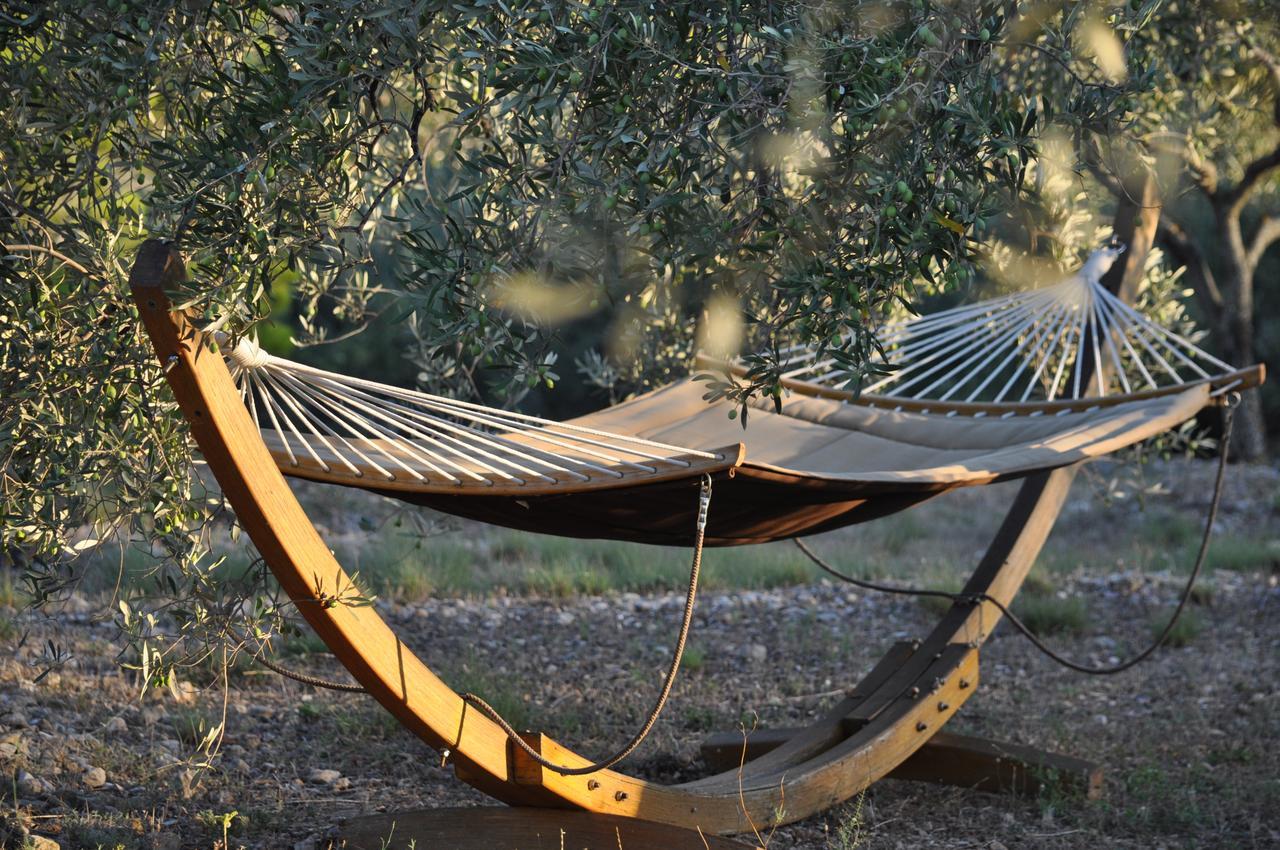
[(757, 652), (311, 842), (164, 841), (323, 776), (116, 726), (41, 842), (31, 786), (94, 777), (996, 845), (342, 784)]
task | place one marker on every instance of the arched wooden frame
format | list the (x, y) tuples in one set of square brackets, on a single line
[(897, 707)]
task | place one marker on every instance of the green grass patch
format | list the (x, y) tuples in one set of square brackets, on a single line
[(694, 658), (1048, 615), (1235, 554), (523, 563), (193, 726), (473, 676), (1184, 631)]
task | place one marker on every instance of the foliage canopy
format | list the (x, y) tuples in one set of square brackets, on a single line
[(480, 170)]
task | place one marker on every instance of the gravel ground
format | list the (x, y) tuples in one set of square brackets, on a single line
[(1190, 741)]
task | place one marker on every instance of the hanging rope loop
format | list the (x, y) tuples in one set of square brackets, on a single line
[(704, 503), (695, 569), (978, 598)]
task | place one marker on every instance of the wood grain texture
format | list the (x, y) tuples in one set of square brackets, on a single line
[(960, 760)]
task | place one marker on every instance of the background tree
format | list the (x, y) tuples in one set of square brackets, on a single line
[(1207, 121), (1217, 96)]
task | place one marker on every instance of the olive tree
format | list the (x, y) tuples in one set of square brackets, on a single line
[(1203, 117), (471, 170)]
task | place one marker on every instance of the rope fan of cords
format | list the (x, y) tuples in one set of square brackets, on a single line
[(642, 470)]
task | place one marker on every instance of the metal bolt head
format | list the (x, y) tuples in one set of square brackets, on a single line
[(943, 706), (964, 683), (620, 796), (921, 726), (592, 784)]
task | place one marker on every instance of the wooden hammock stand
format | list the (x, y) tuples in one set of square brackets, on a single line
[(889, 724)]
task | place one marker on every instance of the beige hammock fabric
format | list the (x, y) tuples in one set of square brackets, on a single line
[(829, 440), (820, 465)]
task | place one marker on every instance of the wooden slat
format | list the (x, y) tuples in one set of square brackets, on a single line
[(946, 758), (983, 765)]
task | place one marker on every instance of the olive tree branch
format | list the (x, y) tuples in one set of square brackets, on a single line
[(1268, 232)]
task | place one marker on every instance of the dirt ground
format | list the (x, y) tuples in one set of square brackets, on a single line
[(1190, 740)]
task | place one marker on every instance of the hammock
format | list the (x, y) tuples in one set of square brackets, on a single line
[(632, 472), (830, 458)]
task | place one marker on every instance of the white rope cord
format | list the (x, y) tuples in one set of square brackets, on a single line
[(289, 402), (1061, 335), (984, 352), (330, 409), (1048, 332), (384, 438), (968, 370), (314, 425), (911, 351), (412, 413), (451, 434), (1030, 342), (968, 341), (257, 383), (464, 410), (354, 424), (1165, 335), (389, 430), (1078, 360), (336, 418), (1117, 365), (1135, 358)]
